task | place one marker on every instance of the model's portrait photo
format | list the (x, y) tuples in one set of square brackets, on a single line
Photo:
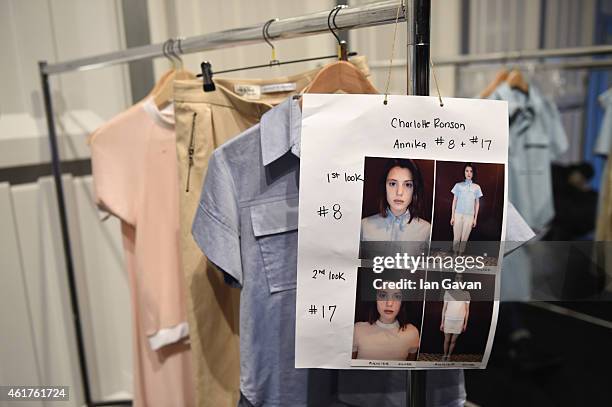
[(469, 205), (457, 317), (397, 203), (387, 320)]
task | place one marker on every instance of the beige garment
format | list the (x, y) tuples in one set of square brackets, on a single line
[(135, 178), (461, 231), (603, 231), (204, 121), (379, 341), (603, 227)]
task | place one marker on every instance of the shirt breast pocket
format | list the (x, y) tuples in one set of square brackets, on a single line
[(275, 227)]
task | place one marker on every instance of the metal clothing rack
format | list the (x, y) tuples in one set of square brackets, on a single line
[(515, 56), (416, 12)]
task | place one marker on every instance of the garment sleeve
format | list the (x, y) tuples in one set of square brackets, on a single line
[(504, 92), (118, 156), (478, 193), (216, 226), (520, 115), (455, 189), (557, 136), (603, 145)]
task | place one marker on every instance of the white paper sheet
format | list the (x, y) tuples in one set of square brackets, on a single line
[(346, 142)]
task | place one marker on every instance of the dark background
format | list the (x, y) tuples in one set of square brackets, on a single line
[(373, 170), (490, 177), (474, 339)]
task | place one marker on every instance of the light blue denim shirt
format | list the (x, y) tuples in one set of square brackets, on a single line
[(603, 145), (536, 138), (394, 228), (466, 193), (246, 224)]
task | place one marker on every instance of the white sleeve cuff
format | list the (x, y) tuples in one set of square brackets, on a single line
[(167, 336)]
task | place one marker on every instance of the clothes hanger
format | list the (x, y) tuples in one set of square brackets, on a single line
[(266, 37), (208, 85), (181, 73), (516, 80), (500, 77), (207, 71), (163, 92), (340, 76), (160, 82), (162, 79)]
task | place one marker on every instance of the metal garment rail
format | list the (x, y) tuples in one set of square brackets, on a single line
[(513, 56), (416, 12), (349, 18)]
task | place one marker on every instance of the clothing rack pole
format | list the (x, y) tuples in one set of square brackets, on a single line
[(605, 63), (521, 55), (418, 74), (513, 56), (369, 15), (59, 190)]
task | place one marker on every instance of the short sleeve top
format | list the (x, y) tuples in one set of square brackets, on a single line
[(456, 301), (135, 178), (466, 193), (603, 145)]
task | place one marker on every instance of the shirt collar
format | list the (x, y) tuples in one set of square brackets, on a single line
[(164, 118), (280, 130), (402, 219), (393, 325), (468, 182)]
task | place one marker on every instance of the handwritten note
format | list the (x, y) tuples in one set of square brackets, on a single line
[(409, 181)]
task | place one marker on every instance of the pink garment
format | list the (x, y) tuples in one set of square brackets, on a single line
[(135, 178)]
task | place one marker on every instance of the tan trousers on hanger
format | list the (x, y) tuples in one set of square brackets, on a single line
[(204, 121), (461, 231)]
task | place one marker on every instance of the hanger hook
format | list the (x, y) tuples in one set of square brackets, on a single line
[(338, 8), (165, 50), (171, 49), (331, 19), (179, 60), (171, 54), (266, 36), (179, 41)]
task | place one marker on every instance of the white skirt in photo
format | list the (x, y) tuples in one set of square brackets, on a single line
[(453, 326)]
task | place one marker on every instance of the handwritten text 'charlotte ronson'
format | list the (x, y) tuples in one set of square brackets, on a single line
[(436, 123)]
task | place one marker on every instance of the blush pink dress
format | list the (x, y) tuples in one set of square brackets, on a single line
[(135, 178)]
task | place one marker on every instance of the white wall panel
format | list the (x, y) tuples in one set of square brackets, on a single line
[(103, 292), (24, 140), (46, 285), (57, 30), (89, 28), (22, 48), (41, 344), (503, 25), (9, 68), (18, 361)]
